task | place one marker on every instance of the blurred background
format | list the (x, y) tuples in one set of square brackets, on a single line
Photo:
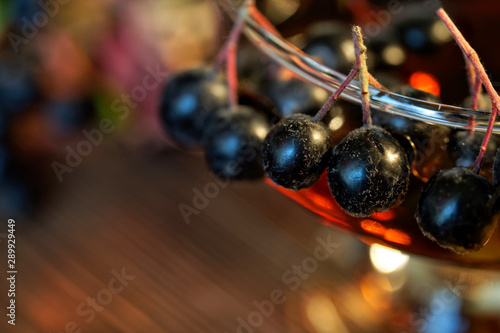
[(96, 186)]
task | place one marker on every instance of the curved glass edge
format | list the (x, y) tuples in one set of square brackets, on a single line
[(307, 68)]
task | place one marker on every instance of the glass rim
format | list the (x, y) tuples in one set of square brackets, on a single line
[(315, 73)]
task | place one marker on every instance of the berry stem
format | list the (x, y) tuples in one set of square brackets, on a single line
[(475, 84), (352, 74), (470, 125), (228, 53), (360, 52), (360, 55), (232, 75), (481, 73), (373, 82), (476, 92), (331, 100), (262, 20), (233, 35)]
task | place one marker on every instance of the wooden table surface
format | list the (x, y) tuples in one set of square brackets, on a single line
[(118, 214)]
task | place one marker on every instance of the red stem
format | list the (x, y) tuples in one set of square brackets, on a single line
[(229, 53), (373, 82), (471, 75), (479, 69), (475, 84), (233, 36), (328, 105), (360, 53), (232, 75), (470, 125), (262, 20), (476, 93)]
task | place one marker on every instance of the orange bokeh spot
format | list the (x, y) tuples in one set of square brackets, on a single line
[(425, 82), (389, 234)]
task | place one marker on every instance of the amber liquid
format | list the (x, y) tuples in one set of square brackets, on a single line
[(396, 228)]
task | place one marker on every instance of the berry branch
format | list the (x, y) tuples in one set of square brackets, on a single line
[(373, 82), (481, 73), (333, 98), (352, 74), (360, 52), (470, 125), (262, 20), (475, 84), (229, 51)]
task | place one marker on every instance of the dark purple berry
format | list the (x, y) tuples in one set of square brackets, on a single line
[(296, 151), (342, 118), (22, 10), (330, 43), (411, 92), (418, 35), (405, 126), (386, 52), (456, 210), (464, 148), (233, 143), (419, 139), (15, 197), (4, 160), (292, 96), (496, 169), (368, 172), (252, 66), (69, 115), (17, 86), (187, 100)]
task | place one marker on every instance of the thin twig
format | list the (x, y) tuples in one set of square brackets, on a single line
[(470, 125), (374, 82), (233, 36), (228, 54), (475, 85), (476, 93), (479, 69), (360, 52), (352, 74), (333, 98)]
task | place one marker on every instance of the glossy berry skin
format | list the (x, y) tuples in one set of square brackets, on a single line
[(187, 100), (329, 43), (368, 172), (15, 197), (455, 210), (296, 151), (403, 125), (496, 169), (416, 34), (411, 92), (69, 115), (464, 148), (17, 87), (233, 143), (4, 160), (415, 136), (342, 118), (292, 96), (26, 9)]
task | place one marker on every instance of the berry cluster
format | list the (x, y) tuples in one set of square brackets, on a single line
[(367, 165), (24, 141)]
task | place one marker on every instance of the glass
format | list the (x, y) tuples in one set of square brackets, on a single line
[(396, 228)]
